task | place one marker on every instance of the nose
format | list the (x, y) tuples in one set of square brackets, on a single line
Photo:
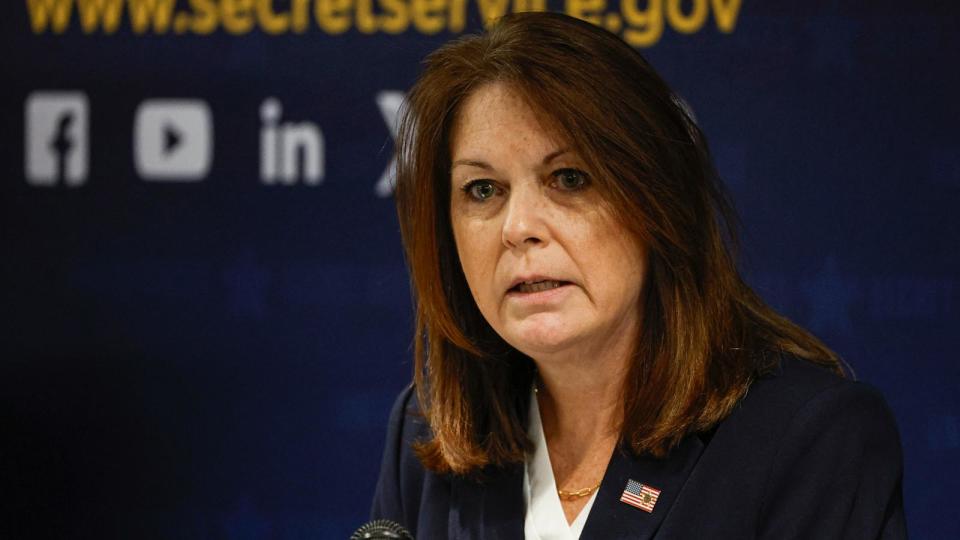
[(525, 224)]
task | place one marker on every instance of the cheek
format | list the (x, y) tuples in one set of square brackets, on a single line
[(477, 250), (617, 262), (629, 262)]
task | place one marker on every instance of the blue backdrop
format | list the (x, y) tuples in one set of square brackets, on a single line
[(206, 315)]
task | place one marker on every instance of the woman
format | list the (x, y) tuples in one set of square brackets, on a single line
[(589, 363)]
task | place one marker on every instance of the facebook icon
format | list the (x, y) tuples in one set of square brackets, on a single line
[(56, 138)]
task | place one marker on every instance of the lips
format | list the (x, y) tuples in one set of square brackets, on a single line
[(535, 285)]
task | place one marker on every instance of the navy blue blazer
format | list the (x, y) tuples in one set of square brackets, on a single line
[(805, 455)]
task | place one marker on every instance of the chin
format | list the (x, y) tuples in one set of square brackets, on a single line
[(538, 338)]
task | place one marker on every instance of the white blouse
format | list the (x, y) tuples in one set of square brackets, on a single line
[(545, 519)]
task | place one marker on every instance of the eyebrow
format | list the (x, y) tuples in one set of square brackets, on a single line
[(486, 166)]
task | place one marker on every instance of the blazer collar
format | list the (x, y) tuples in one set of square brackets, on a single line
[(610, 518), (495, 509)]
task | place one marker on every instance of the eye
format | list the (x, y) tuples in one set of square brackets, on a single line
[(480, 190), (570, 179)]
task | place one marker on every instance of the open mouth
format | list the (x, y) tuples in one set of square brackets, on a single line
[(537, 286)]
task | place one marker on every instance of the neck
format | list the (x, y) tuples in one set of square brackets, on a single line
[(580, 395)]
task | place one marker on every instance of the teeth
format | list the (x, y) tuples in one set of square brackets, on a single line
[(538, 286)]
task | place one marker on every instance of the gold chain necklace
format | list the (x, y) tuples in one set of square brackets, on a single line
[(572, 495), (569, 495)]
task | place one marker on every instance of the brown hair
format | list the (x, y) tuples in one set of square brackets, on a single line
[(705, 334)]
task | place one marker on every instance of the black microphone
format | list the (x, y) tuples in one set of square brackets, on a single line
[(381, 529)]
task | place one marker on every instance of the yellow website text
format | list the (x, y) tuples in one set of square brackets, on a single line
[(641, 23)]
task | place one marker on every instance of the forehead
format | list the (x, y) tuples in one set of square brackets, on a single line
[(497, 115)]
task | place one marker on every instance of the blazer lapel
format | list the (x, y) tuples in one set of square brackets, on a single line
[(489, 510), (610, 518)]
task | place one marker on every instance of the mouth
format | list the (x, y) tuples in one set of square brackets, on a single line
[(527, 287)]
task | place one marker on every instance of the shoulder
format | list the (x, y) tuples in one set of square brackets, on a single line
[(403, 481), (800, 402), (805, 454), (405, 415), (798, 399), (799, 391), (834, 457)]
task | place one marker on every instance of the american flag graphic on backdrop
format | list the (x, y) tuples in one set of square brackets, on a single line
[(642, 496)]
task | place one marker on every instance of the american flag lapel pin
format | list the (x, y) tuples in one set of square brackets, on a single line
[(640, 495)]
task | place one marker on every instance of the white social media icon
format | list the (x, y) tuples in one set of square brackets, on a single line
[(290, 152), (173, 140), (56, 133), (389, 103)]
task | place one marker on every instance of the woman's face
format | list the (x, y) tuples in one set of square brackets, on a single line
[(549, 267)]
